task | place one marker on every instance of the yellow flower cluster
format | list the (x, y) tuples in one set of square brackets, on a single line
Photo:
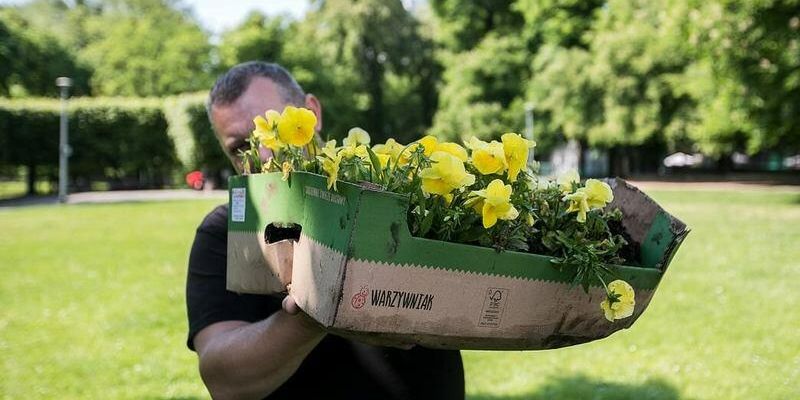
[(509, 155), (295, 126), (448, 172), (452, 184), (594, 195)]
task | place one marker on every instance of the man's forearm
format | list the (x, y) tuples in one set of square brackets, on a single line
[(253, 360)]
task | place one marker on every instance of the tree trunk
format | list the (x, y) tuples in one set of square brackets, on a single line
[(619, 161), (375, 82), (31, 180)]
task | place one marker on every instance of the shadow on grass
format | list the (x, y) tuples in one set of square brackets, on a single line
[(582, 387)]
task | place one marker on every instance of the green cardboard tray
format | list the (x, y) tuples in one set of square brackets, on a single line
[(357, 270)]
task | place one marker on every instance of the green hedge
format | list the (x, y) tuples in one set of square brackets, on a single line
[(189, 127), (127, 142)]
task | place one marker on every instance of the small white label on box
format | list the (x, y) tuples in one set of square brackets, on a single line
[(238, 197)]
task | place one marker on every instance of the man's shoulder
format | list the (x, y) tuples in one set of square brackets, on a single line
[(216, 221)]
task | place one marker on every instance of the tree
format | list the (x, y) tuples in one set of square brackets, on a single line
[(31, 60), (146, 48), (746, 77), (561, 23), (482, 88), (258, 38), (709, 76), (368, 63), (488, 54), (565, 96), (463, 23), (485, 64)]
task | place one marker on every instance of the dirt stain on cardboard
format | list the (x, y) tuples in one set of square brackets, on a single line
[(394, 240)]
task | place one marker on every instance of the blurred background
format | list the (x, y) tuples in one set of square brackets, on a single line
[(698, 90), (696, 101)]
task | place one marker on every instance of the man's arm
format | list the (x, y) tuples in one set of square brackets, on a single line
[(239, 359)]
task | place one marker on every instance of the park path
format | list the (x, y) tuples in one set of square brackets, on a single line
[(738, 186)]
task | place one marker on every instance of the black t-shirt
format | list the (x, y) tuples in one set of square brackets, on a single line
[(337, 368)]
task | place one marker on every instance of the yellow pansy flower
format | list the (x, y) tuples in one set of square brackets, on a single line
[(273, 117), (474, 202), (430, 143), (405, 155), (566, 180), (598, 193), (265, 130), (594, 195), (330, 149), (542, 184), (269, 123), (448, 198), (383, 159), (516, 148), (496, 203), (287, 169), (331, 167), (262, 126), (296, 126), (356, 136), (391, 148), (488, 158), (359, 151), (578, 202), (454, 149), (445, 174), (619, 302)]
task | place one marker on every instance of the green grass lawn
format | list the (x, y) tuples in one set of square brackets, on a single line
[(92, 301)]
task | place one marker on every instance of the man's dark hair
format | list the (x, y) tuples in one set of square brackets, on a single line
[(231, 85)]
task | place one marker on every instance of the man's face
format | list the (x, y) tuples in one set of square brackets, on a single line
[(233, 123)]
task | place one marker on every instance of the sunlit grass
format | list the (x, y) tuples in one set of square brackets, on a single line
[(92, 301)]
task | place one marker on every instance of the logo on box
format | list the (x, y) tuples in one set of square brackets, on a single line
[(392, 299), (360, 298), (494, 303)]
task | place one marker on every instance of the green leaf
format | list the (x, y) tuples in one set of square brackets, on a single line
[(376, 165)]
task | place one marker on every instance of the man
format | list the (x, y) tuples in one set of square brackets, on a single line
[(252, 346)]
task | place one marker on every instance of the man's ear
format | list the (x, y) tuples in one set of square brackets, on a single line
[(313, 104)]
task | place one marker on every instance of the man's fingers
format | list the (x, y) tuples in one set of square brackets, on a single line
[(290, 306)]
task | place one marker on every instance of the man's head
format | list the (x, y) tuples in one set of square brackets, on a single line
[(247, 90)]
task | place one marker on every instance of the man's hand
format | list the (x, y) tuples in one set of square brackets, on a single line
[(250, 360), (290, 306)]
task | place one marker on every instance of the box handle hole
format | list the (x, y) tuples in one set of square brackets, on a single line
[(276, 232)]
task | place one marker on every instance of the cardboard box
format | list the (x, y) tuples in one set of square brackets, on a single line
[(357, 270)]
